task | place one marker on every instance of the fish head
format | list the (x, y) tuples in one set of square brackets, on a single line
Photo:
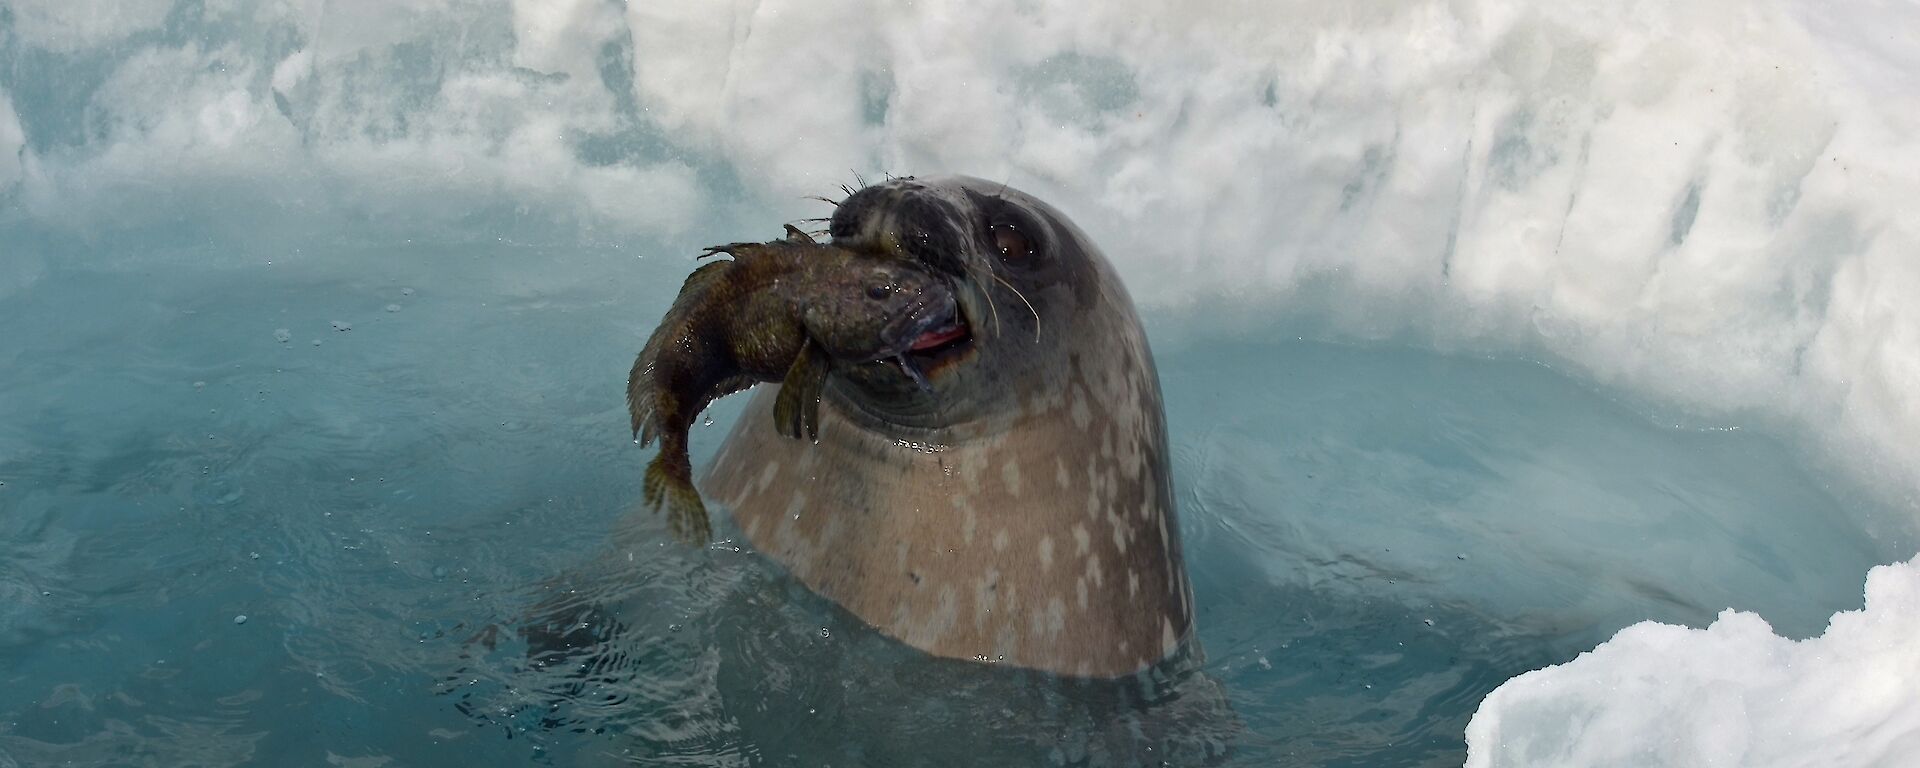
[(874, 308)]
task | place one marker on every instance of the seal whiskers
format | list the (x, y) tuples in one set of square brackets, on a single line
[(992, 306), (1023, 300)]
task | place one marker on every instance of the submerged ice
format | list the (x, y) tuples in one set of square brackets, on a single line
[(1703, 207)]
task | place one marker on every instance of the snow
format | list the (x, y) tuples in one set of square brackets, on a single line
[(1733, 694)]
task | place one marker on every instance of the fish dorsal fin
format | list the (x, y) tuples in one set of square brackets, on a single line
[(736, 250), (700, 278), (797, 235)]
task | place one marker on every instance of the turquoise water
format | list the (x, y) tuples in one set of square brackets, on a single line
[(373, 452)]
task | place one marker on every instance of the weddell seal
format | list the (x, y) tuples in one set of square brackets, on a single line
[(1000, 492)]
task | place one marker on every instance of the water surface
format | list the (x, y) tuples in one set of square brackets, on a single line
[(373, 454)]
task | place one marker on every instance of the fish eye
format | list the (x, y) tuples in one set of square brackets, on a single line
[(1011, 242)]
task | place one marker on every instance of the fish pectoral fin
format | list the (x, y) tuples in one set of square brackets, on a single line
[(796, 411), (669, 483), (797, 235)]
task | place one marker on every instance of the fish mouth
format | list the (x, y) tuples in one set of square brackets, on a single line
[(936, 340), (944, 337)]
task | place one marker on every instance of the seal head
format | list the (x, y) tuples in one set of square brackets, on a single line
[(1000, 491)]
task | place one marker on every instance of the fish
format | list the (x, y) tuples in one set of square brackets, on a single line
[(786, 311)]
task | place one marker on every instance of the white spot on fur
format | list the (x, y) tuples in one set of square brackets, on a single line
[(1132, 458), (767, 474), (970, 475), (1082, 417), (945, 614), (1010, 474), (1060, 475), (1000, 540), (1133, 583), (969, 521), (1082, 541), (1080, 592), (1046, 552), (1168, 640)]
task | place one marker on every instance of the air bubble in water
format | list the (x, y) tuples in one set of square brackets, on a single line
[(282, 335), (393, 307), (342, 326)]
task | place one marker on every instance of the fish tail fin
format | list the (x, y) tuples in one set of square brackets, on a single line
[(670, 484)]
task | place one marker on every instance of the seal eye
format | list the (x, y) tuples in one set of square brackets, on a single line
[(1013, 245)]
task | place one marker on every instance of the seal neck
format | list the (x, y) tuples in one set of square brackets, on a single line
[(906, 415)]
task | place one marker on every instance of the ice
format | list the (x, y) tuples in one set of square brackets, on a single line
[(11, 141), (1733, 694), (61, 26)]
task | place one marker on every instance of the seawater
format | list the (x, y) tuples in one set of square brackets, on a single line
[(380, 453)]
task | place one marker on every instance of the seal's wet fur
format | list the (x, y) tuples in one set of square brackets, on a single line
[(1020, 510)]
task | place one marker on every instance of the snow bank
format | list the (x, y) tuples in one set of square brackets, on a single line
[(1733, 694)]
